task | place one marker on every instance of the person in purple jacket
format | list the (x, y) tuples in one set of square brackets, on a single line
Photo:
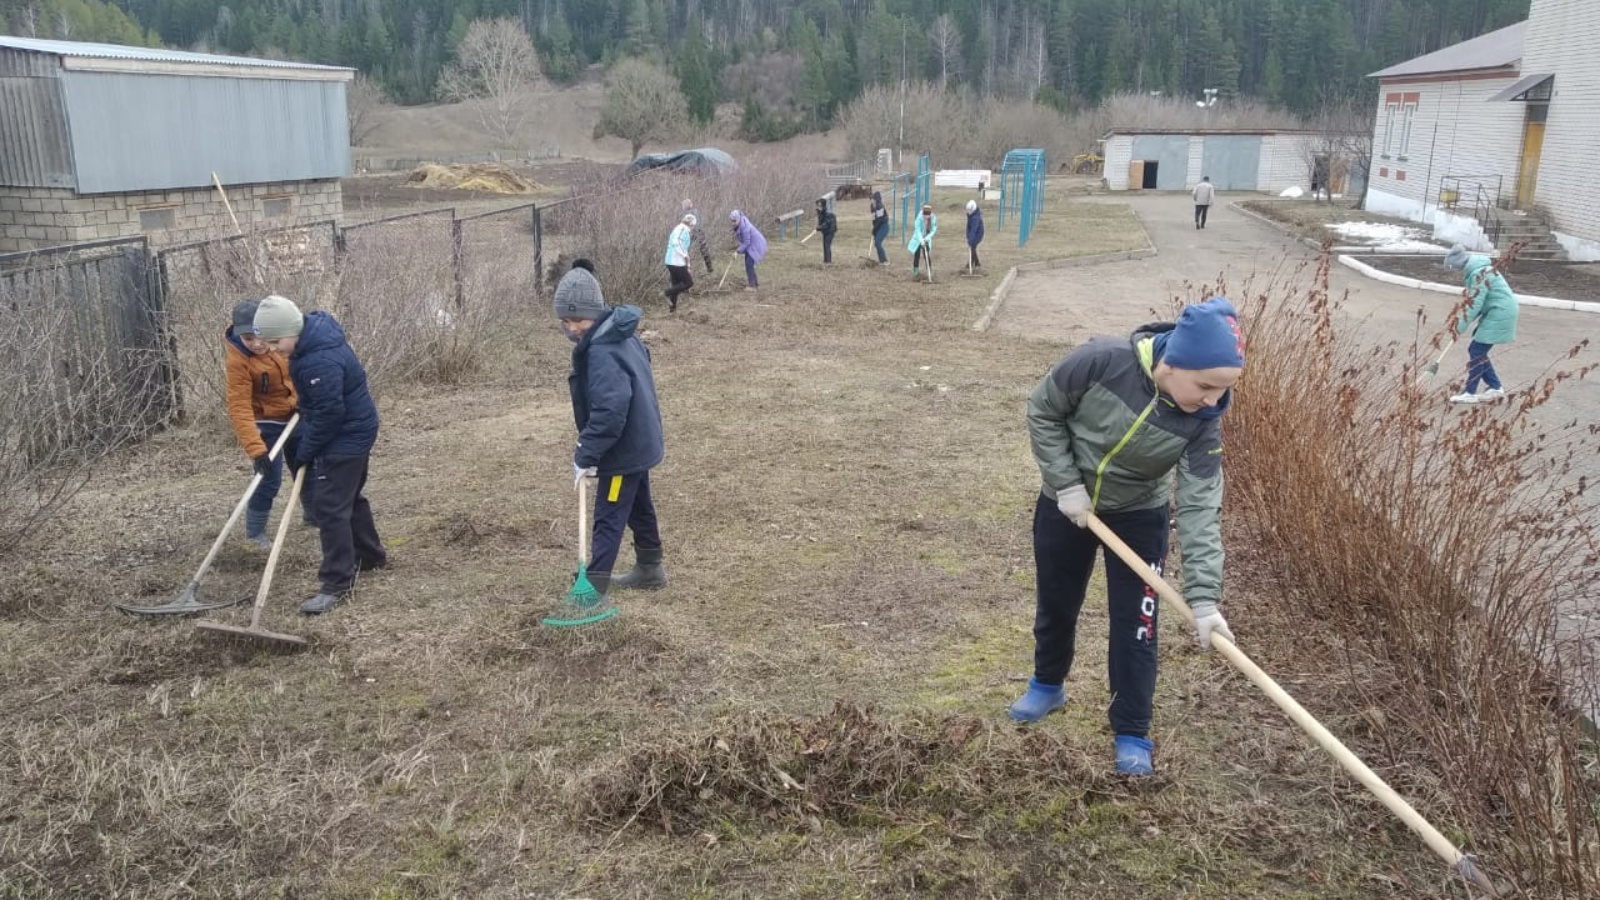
[(749, 242)]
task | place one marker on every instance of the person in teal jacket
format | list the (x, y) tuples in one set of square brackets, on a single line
[(1111, 425), (1490, 316), (923, 228)]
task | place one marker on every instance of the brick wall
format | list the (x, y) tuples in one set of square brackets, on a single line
[(33, 218), (1561, 40)]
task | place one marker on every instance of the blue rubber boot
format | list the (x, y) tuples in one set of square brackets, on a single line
[(1133, 756), (255, 528), (1039, 701)]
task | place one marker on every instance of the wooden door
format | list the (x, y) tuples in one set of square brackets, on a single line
[(1528, 170)]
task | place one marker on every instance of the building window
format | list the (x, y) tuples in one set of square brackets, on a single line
[(1409, 112), (275, 207), (158, 218), (1389, 112)]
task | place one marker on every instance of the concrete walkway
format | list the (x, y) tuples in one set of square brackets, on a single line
[(1071, 304)]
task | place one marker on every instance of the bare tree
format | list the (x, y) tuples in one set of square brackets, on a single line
[(1338, 151), (946, 40), (495, 64), (362, 99), (643, 103)]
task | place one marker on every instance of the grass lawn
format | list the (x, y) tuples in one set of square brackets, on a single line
[(813, 708)]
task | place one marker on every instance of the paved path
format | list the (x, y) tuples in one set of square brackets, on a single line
[(1113, 298)]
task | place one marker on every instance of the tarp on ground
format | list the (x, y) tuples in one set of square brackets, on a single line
[(702, 161)]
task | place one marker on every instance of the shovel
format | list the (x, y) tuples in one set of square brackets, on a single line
[(1341, 754), (254, 631), (188, 602)]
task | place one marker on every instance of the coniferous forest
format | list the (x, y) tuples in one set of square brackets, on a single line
[(1296, 54)]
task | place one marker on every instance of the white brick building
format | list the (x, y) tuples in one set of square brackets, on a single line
[(1235, 160), (1500, 122)]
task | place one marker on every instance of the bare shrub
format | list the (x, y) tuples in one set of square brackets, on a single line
[(623, 227), (85, 374), (956, 129), (1437, 540)]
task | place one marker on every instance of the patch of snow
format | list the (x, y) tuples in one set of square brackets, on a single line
[(1385, 238), (1293, 192)]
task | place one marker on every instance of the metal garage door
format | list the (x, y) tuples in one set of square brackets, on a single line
[(1171, 155), (1232, 161)]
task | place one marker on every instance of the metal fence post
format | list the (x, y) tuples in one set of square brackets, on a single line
[(538, 253), (458, 262)]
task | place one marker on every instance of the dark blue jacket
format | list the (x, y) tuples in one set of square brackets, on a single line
[(614, 397), (975, 228), (337, 415)]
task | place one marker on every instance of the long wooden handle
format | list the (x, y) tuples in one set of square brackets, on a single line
[(277, 547), (583, 521), (238, 509), (1352, 764)]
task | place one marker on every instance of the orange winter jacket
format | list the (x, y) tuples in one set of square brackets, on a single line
[(259, 390)]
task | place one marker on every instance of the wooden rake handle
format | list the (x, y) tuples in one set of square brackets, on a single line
[(284, 524), (583, 520), (1308, 723)]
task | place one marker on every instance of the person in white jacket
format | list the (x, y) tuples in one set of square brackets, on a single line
[(1204, 193), (677, 260)]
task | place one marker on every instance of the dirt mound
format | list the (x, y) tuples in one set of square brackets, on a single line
[(490, 177)]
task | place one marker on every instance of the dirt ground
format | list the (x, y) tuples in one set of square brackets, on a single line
[(1310, 219), (1561, 280), (813, 708)]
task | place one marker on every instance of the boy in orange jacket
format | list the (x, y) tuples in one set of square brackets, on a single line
[(260, 400)]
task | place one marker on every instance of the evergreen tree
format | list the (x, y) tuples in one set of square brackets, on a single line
[(695, 79)]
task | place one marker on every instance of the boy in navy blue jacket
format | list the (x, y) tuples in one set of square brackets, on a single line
[(338, 426), (619, 428)]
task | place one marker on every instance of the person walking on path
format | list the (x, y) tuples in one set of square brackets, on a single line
[(750, 243), (614, 404), (677, 260), (260, 400), (698, 233), (338, 426), (923, 228), (1204, 193), (974, 232), (880, 227), (1110, 425), (827, 225), (1490, 316)]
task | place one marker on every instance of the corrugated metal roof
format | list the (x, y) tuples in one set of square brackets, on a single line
[(1495, 50), (150, 54)]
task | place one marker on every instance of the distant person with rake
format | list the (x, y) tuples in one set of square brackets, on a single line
[(1110, 425), (260, 400), (974, 232), (677, 260), (880, 227), (750, 243), (1491, 317), (614, 404), (338, 426), (923, 228), (827, 226)]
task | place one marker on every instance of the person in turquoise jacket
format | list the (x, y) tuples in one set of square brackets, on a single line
[(923, 228), (1490, 317)]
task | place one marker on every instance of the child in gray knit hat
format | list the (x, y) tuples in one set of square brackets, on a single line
[(614, 403)]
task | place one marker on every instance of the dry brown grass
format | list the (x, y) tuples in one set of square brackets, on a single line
[(845, 501)]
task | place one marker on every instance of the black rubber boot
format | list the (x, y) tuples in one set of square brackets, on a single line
[(602, 585), (322, 603), (647, 575)]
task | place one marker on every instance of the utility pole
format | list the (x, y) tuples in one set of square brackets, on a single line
[(900, 151)]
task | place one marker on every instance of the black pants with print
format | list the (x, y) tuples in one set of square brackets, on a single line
[(622, 501), (681, 281), (344, 518), (1063, 556)]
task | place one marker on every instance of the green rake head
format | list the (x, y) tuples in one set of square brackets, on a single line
[(584, 605)]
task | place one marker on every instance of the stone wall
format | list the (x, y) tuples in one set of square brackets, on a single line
[(34, 218)]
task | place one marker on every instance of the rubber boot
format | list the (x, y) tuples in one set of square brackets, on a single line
[(323, 602), (647, 574), (1039, 701), (1133, 756), (255, 528)]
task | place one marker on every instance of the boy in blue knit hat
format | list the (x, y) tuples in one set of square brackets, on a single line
[(1110, 426)]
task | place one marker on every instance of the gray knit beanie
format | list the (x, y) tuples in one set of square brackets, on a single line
[(1456, 258), (578, 296), (244, 317), (278, 317)]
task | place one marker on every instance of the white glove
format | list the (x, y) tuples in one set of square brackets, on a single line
[(1208, 620), (579, 474), (1074, 504)]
